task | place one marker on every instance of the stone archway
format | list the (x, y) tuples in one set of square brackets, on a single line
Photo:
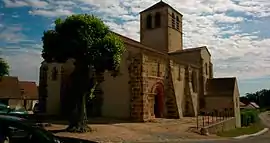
[(158, 102)]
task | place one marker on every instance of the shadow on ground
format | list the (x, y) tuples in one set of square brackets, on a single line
[(74, 140), (57, 131), (90, 121)]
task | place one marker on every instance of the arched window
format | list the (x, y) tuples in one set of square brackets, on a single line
[(194, 81), (206, 68), (149, 21), (54, 73), (173, 20), (177, 22), (157, 20), (43, 73)]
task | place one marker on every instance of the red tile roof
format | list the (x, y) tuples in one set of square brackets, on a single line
[(29, 90), (9, 87)]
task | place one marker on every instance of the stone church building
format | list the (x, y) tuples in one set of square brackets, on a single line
[(158, 77)]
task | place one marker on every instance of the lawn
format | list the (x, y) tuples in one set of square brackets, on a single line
[(242, 131)]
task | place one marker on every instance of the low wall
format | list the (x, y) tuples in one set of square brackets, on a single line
[(221, 126)]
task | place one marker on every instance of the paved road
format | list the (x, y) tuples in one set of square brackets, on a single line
[(265, 138), (259, 139)]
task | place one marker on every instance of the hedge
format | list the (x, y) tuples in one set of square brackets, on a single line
[(248, 117)]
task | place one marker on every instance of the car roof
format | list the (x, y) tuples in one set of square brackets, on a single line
[(11, 118), (3, 105)]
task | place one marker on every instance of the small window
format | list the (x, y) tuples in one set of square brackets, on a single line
[(210, 70), (157, 20), (206, 68), (158, 69), (54, 73), (177, 22), (149, 22), (173, 20), (179, 73)]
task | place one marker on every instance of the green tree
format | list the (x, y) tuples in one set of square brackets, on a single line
[(4, 68), (94, 47), (262, 98)]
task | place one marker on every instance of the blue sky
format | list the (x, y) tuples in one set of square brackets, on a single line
[(235, 31)]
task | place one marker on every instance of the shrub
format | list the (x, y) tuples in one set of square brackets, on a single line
[(249, 116)]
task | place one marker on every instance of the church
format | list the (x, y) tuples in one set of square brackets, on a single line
[(158, 77)]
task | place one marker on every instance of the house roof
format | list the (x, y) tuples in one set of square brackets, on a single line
[(29, 90), (254, 105), (9, 87), (159, 5), (242, 104), (221, 86)]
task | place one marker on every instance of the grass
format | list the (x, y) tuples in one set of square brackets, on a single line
[(254, 128)]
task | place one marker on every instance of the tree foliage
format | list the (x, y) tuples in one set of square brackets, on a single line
[(94, 47), (86, 39), (4, 67), (262, 98)]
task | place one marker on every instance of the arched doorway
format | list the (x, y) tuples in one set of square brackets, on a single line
[(159, 100)]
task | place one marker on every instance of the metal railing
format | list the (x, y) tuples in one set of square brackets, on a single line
[(206, 118)]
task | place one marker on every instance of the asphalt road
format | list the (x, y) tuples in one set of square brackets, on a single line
[(264, 138)]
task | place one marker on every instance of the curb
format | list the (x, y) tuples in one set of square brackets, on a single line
[(252, 135)]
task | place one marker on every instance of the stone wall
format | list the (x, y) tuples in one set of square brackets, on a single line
[(53, 104), (153, 73), (222, 126), (178, 80), (177, 84), (42, 90), (135, 68), (173, 102)]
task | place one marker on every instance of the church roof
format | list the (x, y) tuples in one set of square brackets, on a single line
[(221, 86), (137, 44), (159, 5), (190, 50)]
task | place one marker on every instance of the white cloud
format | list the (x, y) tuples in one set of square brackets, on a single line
[(15, 16), (50, 13), (238, 54), (49, 8), (13, 34), (235, 52), (22, 3), (23, 63)]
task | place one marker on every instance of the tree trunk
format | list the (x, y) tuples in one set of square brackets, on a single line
[(79, 91), (78, 122)]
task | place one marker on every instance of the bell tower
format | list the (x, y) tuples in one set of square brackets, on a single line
[(161, 28)]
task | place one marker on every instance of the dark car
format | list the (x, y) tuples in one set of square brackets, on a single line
[(4, 109), (19, 130)]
